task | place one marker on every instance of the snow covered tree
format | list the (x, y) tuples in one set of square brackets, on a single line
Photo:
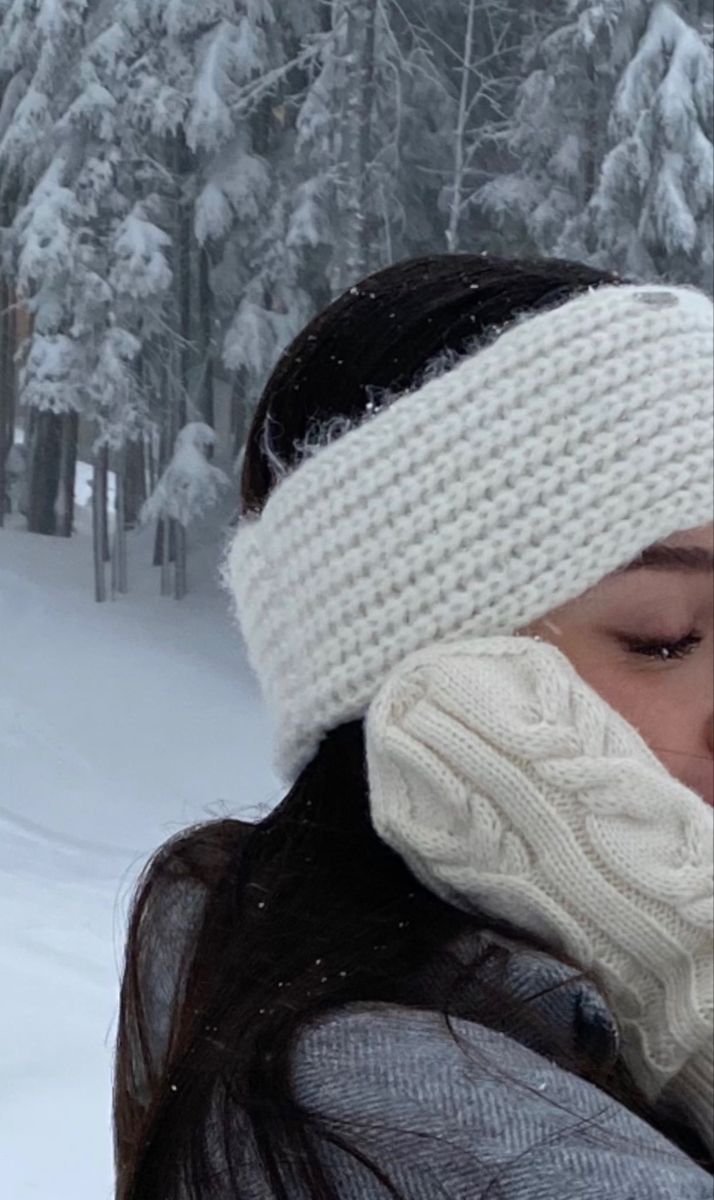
[(460, 82), (612, 137), (12, 83), (187, 489), (183, 185), (8, 386), (257, 261), (651, 211), (553, 135), (39, 44), (342, 158), (354, 23), (203, 75)]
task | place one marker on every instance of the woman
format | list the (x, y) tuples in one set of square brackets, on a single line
[(470, 953)]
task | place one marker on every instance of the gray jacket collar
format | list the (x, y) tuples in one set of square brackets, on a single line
[(549, 1008)]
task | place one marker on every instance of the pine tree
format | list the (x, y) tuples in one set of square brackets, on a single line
[(12, 89), (651, 211), (39, 45), (460, 74), (188, 488), (250, 213), (341, 165), (182, 186), (612, 136)]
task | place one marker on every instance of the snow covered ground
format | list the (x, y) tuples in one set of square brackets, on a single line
[(119, 724)]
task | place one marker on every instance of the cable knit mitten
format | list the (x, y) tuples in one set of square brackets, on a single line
[(509, 786)]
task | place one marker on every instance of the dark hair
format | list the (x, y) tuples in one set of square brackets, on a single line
[(240, 934)]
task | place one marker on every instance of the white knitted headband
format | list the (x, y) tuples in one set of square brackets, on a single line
[(477, 503)]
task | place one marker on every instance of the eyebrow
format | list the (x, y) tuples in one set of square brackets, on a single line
[(671, 558)]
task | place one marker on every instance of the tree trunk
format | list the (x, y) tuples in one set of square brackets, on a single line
[(165, 562), (205, 308), (163, 457), (358, 58), (180, 569), (134, 459), (8, 393), (238, 414), (457, 191), (134, 482), (161, 534), (5, 505), (153, 454), (67, 474), (99, 523), (107, 550), (119, 559), (183, 278), (44, 456)]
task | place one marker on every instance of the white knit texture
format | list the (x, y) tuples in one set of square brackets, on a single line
[(511, 788), (503, 488)]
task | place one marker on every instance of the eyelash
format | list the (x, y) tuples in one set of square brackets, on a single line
[(676, 650)]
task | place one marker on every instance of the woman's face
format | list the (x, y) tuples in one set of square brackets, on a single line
[(644, 639)]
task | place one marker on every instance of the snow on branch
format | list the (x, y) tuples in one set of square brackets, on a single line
[(51, 377), (210, 122), (45, 231), (190, 485), (140, 268)]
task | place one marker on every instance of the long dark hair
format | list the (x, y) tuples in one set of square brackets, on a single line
[(241, 934)]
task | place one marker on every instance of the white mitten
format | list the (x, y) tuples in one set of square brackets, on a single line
[(510, 787)]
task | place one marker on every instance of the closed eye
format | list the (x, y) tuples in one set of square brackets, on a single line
[(662, 649)]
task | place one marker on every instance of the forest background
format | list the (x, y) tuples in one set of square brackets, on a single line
[(183, 184)]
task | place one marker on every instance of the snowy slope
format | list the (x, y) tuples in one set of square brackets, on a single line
[(119, 724)]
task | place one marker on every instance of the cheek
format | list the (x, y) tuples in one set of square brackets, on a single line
[(651, 714), (659, 720)]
